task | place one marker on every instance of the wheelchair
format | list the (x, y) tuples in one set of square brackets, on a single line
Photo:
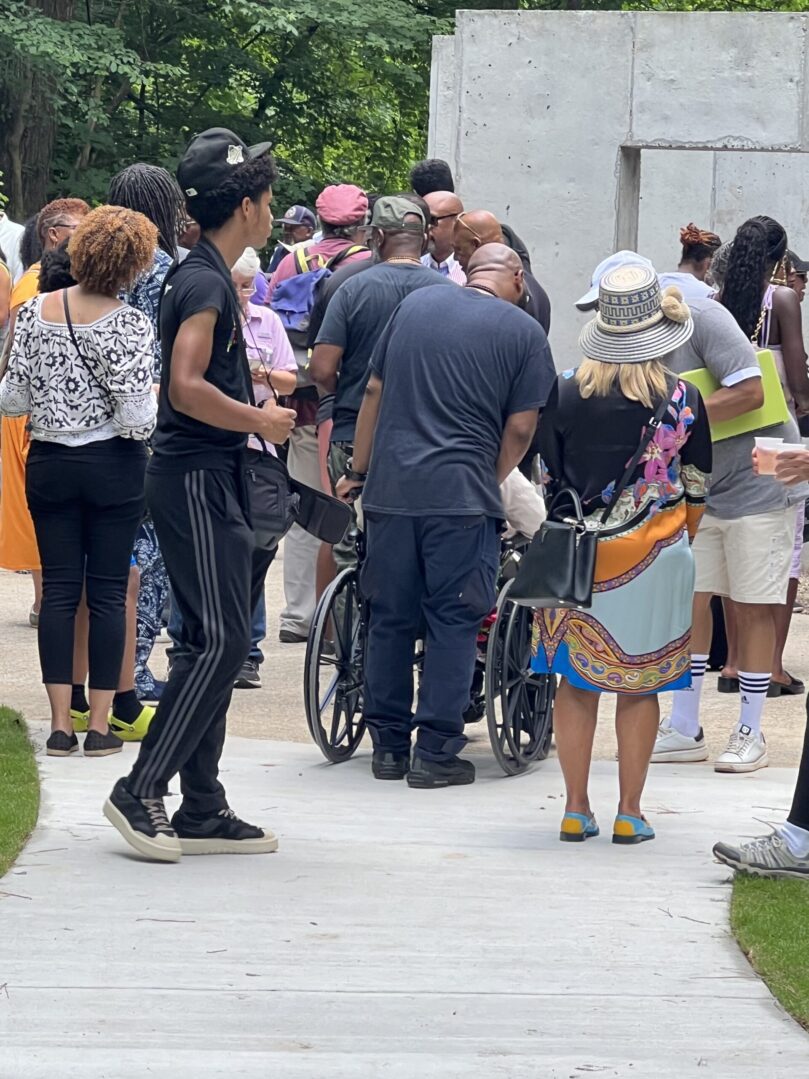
[(516, 702)]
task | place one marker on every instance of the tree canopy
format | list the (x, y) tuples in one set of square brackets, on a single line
[(340, 86)]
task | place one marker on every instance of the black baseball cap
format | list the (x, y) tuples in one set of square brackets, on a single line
[(798, 264), (210, 157)]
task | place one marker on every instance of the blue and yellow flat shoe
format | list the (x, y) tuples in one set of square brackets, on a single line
[(576, 827), (628, 830)]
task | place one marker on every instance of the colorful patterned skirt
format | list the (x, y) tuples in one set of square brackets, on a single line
[(636, 636)]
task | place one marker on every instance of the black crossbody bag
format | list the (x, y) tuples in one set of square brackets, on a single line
[(558, 568)]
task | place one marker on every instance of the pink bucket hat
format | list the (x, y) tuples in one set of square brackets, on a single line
[(342, 204)]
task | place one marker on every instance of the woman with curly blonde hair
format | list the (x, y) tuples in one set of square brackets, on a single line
[(80, 365)]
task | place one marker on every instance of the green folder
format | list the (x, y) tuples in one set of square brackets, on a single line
[(773, 412)]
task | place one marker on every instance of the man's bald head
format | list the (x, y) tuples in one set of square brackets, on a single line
[(473, 229), (444, 209), (495, 266)]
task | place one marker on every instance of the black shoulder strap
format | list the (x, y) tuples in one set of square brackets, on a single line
[(649, 431), (72, 333)]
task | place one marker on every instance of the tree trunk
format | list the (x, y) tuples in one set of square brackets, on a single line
[(27, 112)]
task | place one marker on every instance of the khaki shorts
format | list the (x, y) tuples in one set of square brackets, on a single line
[(747, 559)]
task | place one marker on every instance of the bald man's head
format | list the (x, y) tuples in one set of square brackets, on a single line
[(497, 268), (473, 229), (444, 209)]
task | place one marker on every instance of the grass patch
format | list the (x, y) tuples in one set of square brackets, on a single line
[(771, 921), (19, 786)]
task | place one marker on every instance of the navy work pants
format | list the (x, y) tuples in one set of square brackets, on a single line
[(433, 576)]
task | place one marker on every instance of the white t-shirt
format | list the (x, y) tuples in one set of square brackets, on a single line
[(691, 287), (10, 237)]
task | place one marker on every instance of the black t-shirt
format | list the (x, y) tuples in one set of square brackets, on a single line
[(454, 365), (354, 321), (201, 282)]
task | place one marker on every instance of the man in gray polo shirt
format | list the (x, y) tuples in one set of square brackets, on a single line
[(742, 551)]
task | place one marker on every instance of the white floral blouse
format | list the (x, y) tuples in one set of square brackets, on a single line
[(105, 393)]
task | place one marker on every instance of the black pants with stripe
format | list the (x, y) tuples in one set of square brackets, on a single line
[(208, 547)]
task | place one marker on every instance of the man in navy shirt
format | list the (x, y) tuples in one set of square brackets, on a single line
[(449, 410)]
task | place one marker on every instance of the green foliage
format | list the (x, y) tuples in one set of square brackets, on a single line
[(19, 783), (771, 921), (341, 86)]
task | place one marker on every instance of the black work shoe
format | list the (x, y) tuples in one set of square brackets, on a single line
[(60, 744), (223, 833), (426, 774), (388, 765), (289, 636), (248, 677), (102, 745), (143, 824)]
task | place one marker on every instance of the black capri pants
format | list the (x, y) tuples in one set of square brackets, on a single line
[(86, 503)]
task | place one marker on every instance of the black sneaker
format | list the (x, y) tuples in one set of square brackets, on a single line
[(102, 745), (143, 824), (289, 636), (426, 774), (388, 765), (248, 677), (221, 834), (60, 744)]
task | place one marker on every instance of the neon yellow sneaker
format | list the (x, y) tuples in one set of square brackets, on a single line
[(133, 732), (81, 720)]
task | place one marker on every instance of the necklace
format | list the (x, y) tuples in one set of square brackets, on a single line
[(483, 288), (404, 259)]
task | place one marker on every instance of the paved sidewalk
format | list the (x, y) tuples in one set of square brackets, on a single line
[(398, 934)]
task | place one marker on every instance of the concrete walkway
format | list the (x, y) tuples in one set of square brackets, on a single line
[(398, 934)]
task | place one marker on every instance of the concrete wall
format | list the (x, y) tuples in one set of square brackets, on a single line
[(532, 109)]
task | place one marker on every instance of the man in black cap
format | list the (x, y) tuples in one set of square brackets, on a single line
[(195, 487), (354, 322), (796, 275), (297, 226)]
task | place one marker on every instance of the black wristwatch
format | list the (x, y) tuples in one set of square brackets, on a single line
[(350, 474)]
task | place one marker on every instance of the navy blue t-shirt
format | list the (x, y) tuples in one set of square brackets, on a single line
[(454, 364)]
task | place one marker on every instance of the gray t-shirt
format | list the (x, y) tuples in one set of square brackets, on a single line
[(718, 344)]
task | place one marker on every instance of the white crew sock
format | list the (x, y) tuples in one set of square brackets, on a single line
[(685, 710), (797, 839), (753, 689)]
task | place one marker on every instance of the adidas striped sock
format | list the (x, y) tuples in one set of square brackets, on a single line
[(685, 710), (753, 688)]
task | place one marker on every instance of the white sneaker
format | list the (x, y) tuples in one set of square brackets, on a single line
[(745, 753), (672, 747)]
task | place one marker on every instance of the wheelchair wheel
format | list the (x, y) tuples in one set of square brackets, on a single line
[(519, 703), (333, 670)]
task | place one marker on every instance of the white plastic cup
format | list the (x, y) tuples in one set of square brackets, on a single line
[(766, 453), (792, 447)]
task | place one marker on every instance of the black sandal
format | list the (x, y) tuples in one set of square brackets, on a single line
[(727, 685), (793, 688)]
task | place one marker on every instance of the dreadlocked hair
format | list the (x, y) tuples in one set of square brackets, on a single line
[(247, 181), (153, 192), (110, 248), (758, 246)]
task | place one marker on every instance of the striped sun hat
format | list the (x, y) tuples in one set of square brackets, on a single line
[(635, 321)]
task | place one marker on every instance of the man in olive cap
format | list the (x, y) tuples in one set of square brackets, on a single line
[(354, 321)]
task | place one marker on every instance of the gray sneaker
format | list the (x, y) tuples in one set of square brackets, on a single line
[(768, 856)]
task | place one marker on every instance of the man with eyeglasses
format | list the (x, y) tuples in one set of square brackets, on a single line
[(445, 206)]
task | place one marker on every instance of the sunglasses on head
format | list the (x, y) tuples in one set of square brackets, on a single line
[(468, 227)]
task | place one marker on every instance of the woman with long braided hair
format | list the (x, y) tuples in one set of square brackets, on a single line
[(768, 311), (155, 193)]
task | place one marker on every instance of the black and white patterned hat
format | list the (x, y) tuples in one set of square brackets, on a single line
[(635, 321)]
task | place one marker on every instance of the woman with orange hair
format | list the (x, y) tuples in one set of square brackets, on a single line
[(699, 247), (81, 366)]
